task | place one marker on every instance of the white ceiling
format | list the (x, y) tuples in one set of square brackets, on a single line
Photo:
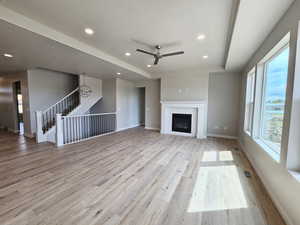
[(31, 51), (117, 23), (121, 25)]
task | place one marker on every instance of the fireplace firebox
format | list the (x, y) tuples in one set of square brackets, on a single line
[(182, 123)]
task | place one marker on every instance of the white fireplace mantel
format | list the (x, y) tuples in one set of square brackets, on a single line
[(198, 110)]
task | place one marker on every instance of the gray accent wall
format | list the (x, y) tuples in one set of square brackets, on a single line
[(108, 103), (224, 104), (190, 85), (46, 88)]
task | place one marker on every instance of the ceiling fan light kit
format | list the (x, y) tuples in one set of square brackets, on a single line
[(157, 56)]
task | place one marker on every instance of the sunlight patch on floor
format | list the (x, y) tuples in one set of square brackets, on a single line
[(214, 156), (217, 188)]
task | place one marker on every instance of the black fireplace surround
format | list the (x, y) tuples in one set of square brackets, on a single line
[(182, 123)]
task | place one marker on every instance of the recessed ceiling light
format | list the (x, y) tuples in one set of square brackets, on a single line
[(89, 31), (148, 65), (205, 56), (118, 73), (128, 54), (201, 37), (8, 55)]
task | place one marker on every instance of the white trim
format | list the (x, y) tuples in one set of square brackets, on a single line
[(126, 128), (295, 174), (284, 42), (59, 101), (152, 128), (13, 131), (281, 210), (94, 114), (198, 109), (222, 136), (186, 103), (28, 135), (86, 139), (271, 152)]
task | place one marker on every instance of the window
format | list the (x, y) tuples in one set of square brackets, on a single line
[(20, 103), (249, 104), (273, 99)]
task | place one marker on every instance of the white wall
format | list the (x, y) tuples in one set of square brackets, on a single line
[(190, 85), (46, 88), (127, 104), (152, 103), (283, 188), (8, 111), (224, 104)]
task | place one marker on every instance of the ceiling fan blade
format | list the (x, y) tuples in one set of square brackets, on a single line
[(156, 60), (148, 45), (170, 44), (171, 54), (146, 52)]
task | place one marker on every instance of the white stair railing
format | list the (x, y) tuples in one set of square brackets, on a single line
[(64, 107), (46, 119), (72, 129)]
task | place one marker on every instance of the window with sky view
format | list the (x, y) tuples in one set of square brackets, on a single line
[(276, 73)]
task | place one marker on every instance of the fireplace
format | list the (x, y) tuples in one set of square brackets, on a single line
[(184, 118), (182, 123)]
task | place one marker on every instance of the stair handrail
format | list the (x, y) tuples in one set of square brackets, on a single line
[(91, 114), (68, 95)]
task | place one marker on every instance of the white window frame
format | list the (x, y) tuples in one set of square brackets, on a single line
[(263, 99), (261, 70), (249, 99)]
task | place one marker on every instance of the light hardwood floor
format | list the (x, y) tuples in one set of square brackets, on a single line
[(134, 177)]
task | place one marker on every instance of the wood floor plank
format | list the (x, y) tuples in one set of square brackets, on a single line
[(134, 177)]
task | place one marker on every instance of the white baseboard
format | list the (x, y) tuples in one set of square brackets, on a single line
[(29, 135), (13, 131), (222, 136), (152, 128), (281, 210), (126, 128)]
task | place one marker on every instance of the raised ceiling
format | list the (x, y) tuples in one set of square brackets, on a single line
[(117, 24), (254, 21), (123, 25), (35, 51)]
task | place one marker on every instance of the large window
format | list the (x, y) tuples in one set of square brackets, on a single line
[(273, 99), (249, 104), (266, 98)]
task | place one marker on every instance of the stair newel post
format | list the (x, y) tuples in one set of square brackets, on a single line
[(39, 126), (59, 130)]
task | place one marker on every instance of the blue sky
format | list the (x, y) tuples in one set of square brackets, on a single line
[(277, 76)]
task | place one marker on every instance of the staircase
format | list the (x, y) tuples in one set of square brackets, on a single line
[(65, 106), (71, 105)]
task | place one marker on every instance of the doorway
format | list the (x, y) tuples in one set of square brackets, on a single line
[(142, 105), (19, 106)]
